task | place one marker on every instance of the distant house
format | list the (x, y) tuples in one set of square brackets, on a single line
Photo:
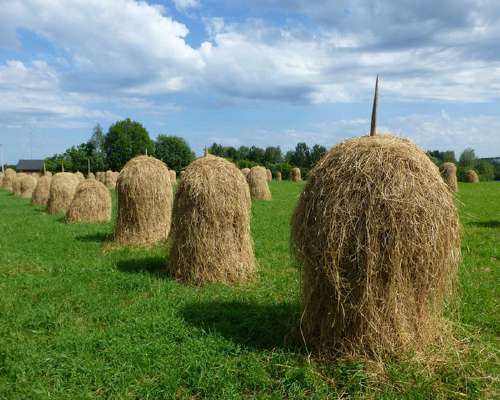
[(30, 166)]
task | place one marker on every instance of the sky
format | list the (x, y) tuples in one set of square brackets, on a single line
[(240, 72)]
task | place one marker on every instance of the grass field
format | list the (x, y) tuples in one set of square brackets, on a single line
[(77, 322)]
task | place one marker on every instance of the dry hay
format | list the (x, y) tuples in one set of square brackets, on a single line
[(245, 172), (278, 176), (110, 179), (257, 181), (210, 239), (47, 173), (378, 237), (295, 175), (62, 189), (8, 178), (471, 176), (144, 202), (16, 183), (91, 203), (269, 175), (42, 191), (449, 173), (173, 176), (28, 185), (91, 175), (79, 175), (100, 176)]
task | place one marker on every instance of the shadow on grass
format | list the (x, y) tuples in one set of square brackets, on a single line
[(96, 237), (153, 265), (250, 324), (486, 224)]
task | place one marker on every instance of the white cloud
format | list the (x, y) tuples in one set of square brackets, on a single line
[(184, 5)]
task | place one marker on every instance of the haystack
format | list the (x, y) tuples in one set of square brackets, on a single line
[(100, 177), (91, 203), (449, 173), (8, 179), (80, 176), (278, 176), (62, 190), (245, 172), (16, 183), (471, 176), (42, 191), (295, 175), (257, 181), (110, 179), (144, 202), (173, 176), (269, 175), (28, 185), (378, 238), (210, 239), (90, 175), (47, 173)]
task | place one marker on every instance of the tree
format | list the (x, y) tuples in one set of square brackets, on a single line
[(317, 153), (256, 154), (173, 151), (125, 140), (216, 150), (468, 158), (301, 157), (273, 155)]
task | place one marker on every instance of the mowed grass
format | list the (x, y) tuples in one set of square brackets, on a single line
[(81, 320)]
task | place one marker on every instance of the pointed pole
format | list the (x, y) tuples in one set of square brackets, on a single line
[(146, 151), (373, 128), (205, 152), (62, 165), (88, 166), (44, 169)]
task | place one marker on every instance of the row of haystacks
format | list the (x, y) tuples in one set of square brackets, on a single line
[(295, 174)]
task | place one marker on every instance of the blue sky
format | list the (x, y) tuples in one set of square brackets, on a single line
[(264, 72)]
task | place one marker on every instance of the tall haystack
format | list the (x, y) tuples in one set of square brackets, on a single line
[(16, 183), (173, 176), (100, 177), (28, 185), (91, 203), (79, 175), (278, 177), (245, 172), (42, 191), (257, 181), (110, 179), (269, 175), (471, 176), (8, 179), (144, 202), (378, 238), (449, 173), (62, 190), (295, 174), (211, 239)]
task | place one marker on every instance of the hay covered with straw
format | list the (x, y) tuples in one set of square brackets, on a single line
[(144, 202), (110, 179), (79, 175), (449, 173), (62, 190), (245, 172), (90, 175), (91, 203), (269, 175), (28, 185), (8, 179), (295, 174), (471, 176), (378, 238), (211, 239), (173, 176), (42, 191), (16, 183), (278, 177), (257, 181), (101, 177)]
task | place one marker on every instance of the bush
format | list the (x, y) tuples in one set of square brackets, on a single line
[(173, 151), (486, 170)]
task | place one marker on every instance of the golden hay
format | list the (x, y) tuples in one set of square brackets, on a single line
[(144, 202), (16, 183), (110, 179), (79, 175), (47, 173), (28, 185), (210, 239), (471, 176), (295, 175), (8, 179), (173, 176), (278, 176), (62, 189), (100, 176), (42, 191), (378, 237), (257, 181), (91, 203), (90, 175), (449, 173), (245, 172), (269, 175)]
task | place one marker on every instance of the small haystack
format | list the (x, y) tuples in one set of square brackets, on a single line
[(80, 176), (62, 190), (471, 176), (245, 172), (42, 191), (16, 183), (110, 179), (449, 173), (144, 202), (257, 181), (295, 174), (378, 237), (211, 239), (28, 185), (269, 175), (8, 179), (100, 177), (90, 175), (278, 177), (91, 203), (47, 173), (173, 176)]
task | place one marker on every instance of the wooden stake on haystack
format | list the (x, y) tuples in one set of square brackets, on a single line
[(205, 152), (62, 166), (146, 151), (373, 128), (88, 166)]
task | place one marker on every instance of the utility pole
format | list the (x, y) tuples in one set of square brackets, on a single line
[(3, 168)]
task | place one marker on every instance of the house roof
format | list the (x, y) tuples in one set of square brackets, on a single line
[(29, 165)]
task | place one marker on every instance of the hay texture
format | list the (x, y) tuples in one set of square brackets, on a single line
[(378, 238), (295, 175), (144, 202), (257, 181), (91, 203), (90, 175), (173, 176), (245, 172), (101, 177), (16, 183), (28, 185), (471, 176), (278, 177), (8, 179), (80, 176), (110, 179), (62, 190), (42, 191), (269, 175), (210, 239), (449, 173)]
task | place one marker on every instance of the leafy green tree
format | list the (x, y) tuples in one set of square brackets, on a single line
[(216, 150), (125, 140), (256, 154), (243, 152), (468, 158), (317, 152), (173, 151), (301, 157), (273, 155), (486, 170)]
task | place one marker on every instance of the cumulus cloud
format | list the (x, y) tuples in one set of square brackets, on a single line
[(184, 5)]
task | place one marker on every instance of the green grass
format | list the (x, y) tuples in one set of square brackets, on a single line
[(80, 323)]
